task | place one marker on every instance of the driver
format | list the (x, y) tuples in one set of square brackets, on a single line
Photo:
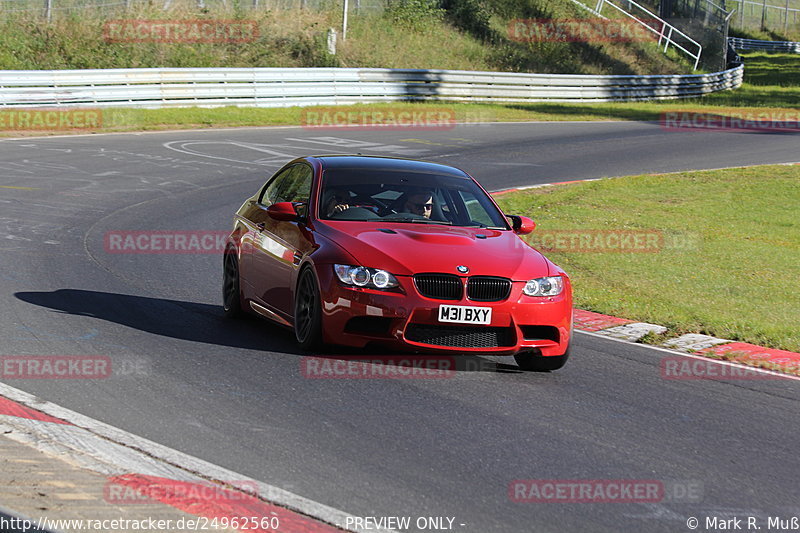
[(338, 202), (419, 203)]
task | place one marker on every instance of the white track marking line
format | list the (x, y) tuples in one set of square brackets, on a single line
[(91, 439)]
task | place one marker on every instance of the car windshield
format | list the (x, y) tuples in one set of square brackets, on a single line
[(406, 197)]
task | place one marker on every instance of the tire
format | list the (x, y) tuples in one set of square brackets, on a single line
[(534, 362), (231, 295), (307, 311)]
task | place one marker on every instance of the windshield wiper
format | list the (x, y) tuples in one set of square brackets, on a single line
[(482, 226), (416, 220), (428, 221)]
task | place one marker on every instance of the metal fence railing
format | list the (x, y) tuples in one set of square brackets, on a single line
[(752, 14), (705, 21), (52, 8), (280, 87), (765, 46), (668, 35)]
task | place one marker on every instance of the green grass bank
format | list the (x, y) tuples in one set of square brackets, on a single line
[(723, 262), (448, 34)]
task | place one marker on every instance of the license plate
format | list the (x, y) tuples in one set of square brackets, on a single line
[(463, 314)]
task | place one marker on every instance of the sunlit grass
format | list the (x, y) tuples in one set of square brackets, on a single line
[(729, 263)]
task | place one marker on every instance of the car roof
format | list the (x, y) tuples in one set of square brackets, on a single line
[(386, 163)]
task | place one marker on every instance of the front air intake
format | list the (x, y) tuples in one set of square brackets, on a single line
[(488, 289), (439, 286)]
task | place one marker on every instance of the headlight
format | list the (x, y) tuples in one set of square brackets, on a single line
[(360, 276), (551, 286)]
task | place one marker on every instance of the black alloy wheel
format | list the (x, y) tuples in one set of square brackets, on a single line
[(307, 311)]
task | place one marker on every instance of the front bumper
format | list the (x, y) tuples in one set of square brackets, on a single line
[(406, 320)]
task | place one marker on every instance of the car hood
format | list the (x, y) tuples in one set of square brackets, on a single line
[(406, 249)]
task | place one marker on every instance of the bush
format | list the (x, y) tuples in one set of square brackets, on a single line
[(307, 51), (418, 15), (470, 16)]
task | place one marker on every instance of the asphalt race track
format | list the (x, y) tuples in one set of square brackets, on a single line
[(233, 393)]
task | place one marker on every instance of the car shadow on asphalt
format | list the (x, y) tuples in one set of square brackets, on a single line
[(205, 323), (177, 319)]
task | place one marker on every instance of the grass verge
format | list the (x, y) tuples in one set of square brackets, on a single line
[(724, 249)]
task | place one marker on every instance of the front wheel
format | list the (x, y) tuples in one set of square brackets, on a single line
[(231, 297), (535, 362), (307, 311)]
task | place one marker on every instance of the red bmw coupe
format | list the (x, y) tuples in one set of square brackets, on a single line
[(357, 250)]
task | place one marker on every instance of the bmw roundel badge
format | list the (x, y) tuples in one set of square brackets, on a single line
[(463, 269)]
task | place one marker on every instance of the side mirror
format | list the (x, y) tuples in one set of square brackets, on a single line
[(283, 211), (521, 225)]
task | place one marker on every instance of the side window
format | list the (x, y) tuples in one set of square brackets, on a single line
[(272, 192), (291, 185), (298, 186), (475, 210)]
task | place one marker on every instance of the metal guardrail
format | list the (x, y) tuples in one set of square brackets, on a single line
[(281, 87), (766, 46)]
